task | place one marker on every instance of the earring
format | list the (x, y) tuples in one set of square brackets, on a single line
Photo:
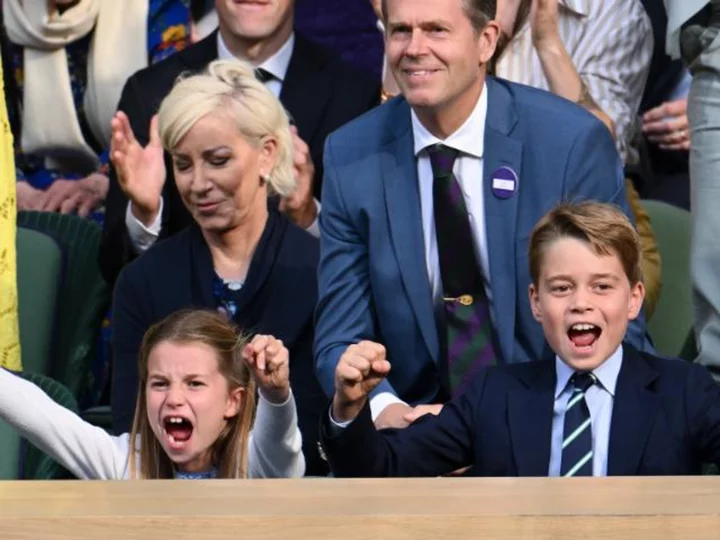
[(265, 178)]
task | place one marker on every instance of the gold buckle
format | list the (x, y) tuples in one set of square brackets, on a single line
[(465, 299)]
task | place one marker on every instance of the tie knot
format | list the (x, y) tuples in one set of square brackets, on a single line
[(442, 159), (263, 75), (583, 381)]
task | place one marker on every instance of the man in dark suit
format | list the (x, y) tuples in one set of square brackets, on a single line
[(319, 92), (600, 408), (428, 202)]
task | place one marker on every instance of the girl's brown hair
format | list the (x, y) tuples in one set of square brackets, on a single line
[(229, 453)]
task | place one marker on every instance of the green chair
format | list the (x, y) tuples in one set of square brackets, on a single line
[(671, 325), (35, 464), (39, 269), (83, 300)]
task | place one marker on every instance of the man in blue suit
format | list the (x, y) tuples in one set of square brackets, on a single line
[(600, 408), (428, 202)]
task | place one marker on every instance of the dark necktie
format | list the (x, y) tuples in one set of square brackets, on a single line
[(469, 333), (577, 450), (263, 75)]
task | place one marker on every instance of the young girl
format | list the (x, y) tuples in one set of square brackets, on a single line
[(195, 409)]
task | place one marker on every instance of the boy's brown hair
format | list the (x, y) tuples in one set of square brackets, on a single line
[(604, 226)]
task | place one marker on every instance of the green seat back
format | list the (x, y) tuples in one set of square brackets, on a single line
[(35, 464), (671, 324), (83, 300), (39, 269)]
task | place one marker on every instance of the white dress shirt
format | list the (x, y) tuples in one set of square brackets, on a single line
[(599, 398), (679, 12), (469, 140), (141, 236), (610, 43)]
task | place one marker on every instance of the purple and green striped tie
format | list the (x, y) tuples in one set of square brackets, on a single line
[(469, 333)]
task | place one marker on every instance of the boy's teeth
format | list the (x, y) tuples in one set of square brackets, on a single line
[(582, 327)]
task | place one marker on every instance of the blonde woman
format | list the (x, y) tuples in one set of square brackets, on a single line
[(194, 415), (231, 146), (9, 340)]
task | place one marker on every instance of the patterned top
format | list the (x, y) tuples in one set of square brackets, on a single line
[(227, 295), (169, 30), (205, 475)]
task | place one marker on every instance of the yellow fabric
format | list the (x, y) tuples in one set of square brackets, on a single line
[(650, 259), (9, 334)]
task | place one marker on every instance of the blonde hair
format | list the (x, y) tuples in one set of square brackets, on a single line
[(604, 226), (229, 452), (230, 85)]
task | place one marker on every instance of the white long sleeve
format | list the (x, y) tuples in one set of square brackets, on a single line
[(142, 237), (89, 452), (275, 448)]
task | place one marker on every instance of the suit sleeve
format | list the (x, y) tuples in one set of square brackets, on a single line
[(702, 406), (116, 248), (130, 321), (432, 446), (594, 171), (344, 314)]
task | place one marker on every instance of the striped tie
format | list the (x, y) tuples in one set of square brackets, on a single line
[(469, 332), (577, 450)]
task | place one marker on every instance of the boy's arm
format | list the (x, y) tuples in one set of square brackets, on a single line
[(431, 446)]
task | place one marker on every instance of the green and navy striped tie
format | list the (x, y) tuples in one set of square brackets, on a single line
[(577, 450)]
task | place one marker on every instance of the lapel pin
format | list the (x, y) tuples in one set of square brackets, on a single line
[(504, 182)]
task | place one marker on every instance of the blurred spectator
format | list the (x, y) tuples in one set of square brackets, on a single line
[(66, 86), (320, 93), (694, 33)]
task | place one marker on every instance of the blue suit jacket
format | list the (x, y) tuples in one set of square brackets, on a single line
[(665, 421), (373, 281)]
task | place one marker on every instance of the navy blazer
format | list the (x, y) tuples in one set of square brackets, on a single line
[(665, 421), (373, 280), (278, 298)]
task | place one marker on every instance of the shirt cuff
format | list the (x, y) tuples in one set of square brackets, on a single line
[(382, 400), (142, 237), (314, 227), (335, 426)]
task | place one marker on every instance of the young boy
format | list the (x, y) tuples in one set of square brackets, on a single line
[(600, 408)]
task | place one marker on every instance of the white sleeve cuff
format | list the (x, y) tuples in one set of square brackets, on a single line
[(382, 400), (142, 237), (314, 227)]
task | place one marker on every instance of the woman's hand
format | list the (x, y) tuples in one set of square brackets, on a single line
[(140, 171)]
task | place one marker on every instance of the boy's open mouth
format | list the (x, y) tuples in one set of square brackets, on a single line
[(584, 335), (178, 430)]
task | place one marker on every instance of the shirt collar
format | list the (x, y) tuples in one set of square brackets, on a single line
[(468, 139), (276, 65), (606, 373)]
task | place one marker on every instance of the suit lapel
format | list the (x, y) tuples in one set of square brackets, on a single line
[(306, 88), (402, 198), (501, 150), (198, 56), (634, 408), (530, 420)]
